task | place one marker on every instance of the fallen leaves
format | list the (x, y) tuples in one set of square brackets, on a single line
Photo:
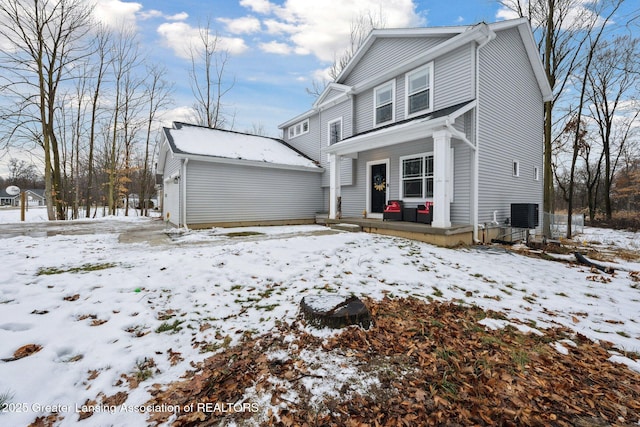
[(433, 364), (24, 351)]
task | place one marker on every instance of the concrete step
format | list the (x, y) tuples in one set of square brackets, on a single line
[(354, 228)]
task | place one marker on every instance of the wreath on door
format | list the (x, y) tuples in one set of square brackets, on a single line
[(379, 183)]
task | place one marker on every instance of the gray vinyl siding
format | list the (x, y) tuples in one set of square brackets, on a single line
[(220, 192), (462, 170), (453, 78), (510, 127), (386, 53), (332, 94), (346, 166), (307, 143), (363, 111), (453, 84)]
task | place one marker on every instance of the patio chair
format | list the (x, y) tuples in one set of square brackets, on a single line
[(425, 213), (392, 211)]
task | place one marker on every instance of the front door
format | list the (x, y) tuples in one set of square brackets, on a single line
[(378, 188)]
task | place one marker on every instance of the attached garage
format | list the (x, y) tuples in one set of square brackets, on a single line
[(214, 177)]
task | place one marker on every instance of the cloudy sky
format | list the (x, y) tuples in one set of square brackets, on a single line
[(277, 47)]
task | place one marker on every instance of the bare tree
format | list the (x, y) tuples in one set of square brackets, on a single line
[(559, 26), (43, 39), (361, 27), (102, 62), (614, 78), (598, 27), (158, 95), (207, 77), (22, 174), (125, 58)]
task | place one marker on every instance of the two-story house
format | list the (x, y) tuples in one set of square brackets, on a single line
[(449, 115)]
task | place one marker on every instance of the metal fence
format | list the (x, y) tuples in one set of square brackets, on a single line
[(559, 223)]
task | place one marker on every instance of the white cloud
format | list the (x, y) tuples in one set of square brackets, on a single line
[(276, 47), (153, 13), (178, 114), (258, 6), (504, 13), (244, 25), (116, 13), (324, 31), (178, 16), (180, 36)]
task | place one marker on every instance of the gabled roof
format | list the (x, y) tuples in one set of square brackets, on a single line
[(203, 143), (459, 35), (331, 87)]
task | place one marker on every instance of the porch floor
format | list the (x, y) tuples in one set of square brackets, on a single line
[(455, 235)]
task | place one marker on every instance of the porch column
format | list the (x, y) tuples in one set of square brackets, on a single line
[(441, 177), (334, 186)]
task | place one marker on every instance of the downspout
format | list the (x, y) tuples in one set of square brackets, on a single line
[(184, 193), (476, 167)]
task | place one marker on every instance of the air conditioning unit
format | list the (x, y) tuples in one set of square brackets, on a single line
[(524, 215)]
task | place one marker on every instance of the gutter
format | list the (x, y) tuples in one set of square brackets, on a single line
[(476, 167)]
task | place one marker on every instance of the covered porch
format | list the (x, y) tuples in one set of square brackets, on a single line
[(439, 130), (454, 235)]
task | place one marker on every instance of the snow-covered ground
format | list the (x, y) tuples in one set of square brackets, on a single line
[(102, 309)]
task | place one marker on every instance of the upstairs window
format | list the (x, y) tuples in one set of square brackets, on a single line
[(418, 84), (299, 129), (335, 131), (383, 98)]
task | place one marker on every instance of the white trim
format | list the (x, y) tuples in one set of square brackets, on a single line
[(335, 190), (368, 186), (429, 69), (294, 128), (324, 102), (401, 196), (459, 37), (413, 130), (329, 123), (441, 179), (296, 119), (252, 163), (452, 175), (392, 102)]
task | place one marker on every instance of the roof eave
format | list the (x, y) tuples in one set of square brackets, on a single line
[(297, 118), (246, 162), (387, 137)]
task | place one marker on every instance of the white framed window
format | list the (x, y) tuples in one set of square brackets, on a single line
[(536, 173), (416, 176), (299, 128), (334, 131), (383, 96), (419, 93), (515, 169)]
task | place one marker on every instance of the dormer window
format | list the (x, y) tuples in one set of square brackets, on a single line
[(419, 93), (384, 96)]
